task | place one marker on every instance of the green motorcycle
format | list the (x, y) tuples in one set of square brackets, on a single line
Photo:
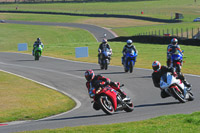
[(38, 51)]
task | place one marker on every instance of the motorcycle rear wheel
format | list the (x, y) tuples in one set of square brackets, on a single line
[(106, 104)]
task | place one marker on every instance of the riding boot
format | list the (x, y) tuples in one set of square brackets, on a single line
[(188, 85), (122, 60), (33, 52), (168, 62)]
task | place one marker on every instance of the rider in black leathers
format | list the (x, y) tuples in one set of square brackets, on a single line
[(103, 47), (161, 70)]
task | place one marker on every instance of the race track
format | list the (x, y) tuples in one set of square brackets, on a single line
[(68, 76), (96, 31)]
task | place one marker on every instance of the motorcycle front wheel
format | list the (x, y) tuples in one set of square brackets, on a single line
[(37, 56), (178, 95), (106, 104), (129, 107), (131, 66)]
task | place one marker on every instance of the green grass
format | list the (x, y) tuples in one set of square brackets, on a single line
[(12, 34), (41, 17), (180, 123), (160, 8), (21, 99)]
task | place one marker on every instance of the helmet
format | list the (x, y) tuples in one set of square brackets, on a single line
[(156, 66), (38, 39), (174, 41), (129, 42), (104, 40), (89, 75)]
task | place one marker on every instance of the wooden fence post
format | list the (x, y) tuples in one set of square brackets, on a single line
[(192, 33), (181, 33)]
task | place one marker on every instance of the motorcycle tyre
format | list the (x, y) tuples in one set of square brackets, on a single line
[(177, 95), (37, 56), (103, 107), (129, 107), (131, 66), (191, 96), (106, 65)]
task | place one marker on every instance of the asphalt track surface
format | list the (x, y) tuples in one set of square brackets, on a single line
[(68, 76)]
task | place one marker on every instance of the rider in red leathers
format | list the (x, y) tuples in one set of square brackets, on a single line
[(96, 81)]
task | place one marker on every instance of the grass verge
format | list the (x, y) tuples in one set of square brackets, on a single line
[(21, 99), (181, 123), (165, 9)]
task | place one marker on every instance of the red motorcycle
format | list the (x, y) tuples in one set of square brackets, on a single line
[(110, 101)]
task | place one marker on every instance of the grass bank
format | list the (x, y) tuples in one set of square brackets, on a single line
[(165, 9), (181, 123), (21, 99)]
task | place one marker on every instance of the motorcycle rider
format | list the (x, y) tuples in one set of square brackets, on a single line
[(36, 44), (128, 48), (161, 70), (172, 47), (96, 81), (103, 47)]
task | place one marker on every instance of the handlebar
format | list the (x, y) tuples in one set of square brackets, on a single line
[(122, 85)]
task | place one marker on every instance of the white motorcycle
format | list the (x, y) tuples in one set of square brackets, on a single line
[(175, 88), (105, 57)]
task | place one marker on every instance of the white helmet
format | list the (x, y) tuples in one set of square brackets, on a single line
[(129, 42), (104, 40)]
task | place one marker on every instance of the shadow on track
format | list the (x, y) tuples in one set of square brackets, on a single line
[(113, 73), (156, 104), (25, 60), (76, 117)]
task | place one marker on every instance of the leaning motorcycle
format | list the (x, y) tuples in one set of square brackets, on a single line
[(105, 58), (129, 61), (177, 60), (110, 101), (38, 52), (175, 88)]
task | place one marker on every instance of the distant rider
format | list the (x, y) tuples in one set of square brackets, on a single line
[(103, 47), (36, 44), (161, 70), (172, 47), (128, 48), (96, 81)]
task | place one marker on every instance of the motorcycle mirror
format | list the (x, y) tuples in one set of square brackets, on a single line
[(182, 51), (122, 85)]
